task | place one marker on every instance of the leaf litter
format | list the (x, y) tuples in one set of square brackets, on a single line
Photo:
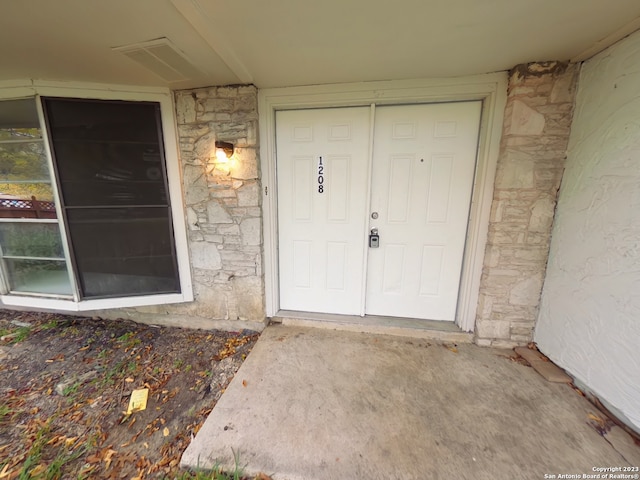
[(66, 385)]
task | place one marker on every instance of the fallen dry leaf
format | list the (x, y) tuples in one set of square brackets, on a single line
[(35, 472), (262, 476), (5, 471), (577, 390), (70, 441), (165, 431), (57, 358), (596, 419), (244, 383), (108, 456)]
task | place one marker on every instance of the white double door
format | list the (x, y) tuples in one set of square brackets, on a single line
[(406, 171)]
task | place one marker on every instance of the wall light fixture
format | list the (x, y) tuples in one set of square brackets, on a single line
[(224, 151)]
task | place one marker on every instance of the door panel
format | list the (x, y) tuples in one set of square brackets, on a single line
[(422, 175), (423, 167), (322, 208)]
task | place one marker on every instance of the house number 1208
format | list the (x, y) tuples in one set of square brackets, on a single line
[(320, 176)]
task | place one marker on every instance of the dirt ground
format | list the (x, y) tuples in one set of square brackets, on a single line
[(66, 382)]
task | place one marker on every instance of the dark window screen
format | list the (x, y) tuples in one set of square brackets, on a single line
[(112, 178)]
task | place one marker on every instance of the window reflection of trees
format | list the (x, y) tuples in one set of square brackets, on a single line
[(22, 160)]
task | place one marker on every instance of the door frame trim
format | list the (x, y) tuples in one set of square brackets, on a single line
[(491, 89)]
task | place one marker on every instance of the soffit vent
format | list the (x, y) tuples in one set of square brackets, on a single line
[(162, 58)]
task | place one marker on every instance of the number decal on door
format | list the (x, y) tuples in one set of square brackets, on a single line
[(320, 176)]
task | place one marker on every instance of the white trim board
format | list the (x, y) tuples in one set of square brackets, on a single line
[(491, 89)]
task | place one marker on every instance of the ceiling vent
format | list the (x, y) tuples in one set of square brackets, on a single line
[(162, 58)]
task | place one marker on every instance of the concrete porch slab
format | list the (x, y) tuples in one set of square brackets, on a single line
[(322, 404)]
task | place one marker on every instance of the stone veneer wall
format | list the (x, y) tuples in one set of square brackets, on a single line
[(530, 167), (223, 210)]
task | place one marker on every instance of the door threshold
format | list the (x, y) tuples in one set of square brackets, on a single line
[(404, 327)]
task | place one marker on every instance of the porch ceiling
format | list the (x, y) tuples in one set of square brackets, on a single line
[(292, 42)]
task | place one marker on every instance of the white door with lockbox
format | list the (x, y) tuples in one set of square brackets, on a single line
[(373, 207)]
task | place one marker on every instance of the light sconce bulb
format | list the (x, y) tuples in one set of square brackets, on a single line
[(221, 156), (224, 151)]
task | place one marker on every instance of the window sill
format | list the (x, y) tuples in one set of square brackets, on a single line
[(86, 305)]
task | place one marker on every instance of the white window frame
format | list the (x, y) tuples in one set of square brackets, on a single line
[(16, 89), (491, 89)]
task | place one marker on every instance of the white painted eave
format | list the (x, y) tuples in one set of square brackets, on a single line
[(288, 42)]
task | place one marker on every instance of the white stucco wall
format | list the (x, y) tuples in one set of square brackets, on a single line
[(589, 321)]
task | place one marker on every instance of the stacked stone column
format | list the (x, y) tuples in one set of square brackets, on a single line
[(223, 201), (529, 171)]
